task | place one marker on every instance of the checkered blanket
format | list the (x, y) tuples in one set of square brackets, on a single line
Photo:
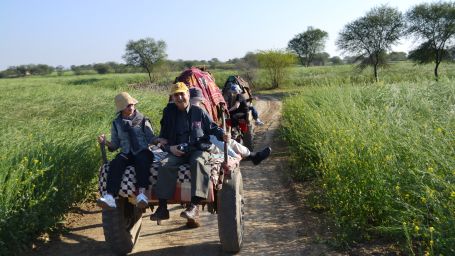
[(183, 188)]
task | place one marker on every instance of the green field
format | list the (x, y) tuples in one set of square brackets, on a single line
[(384, 158), (382, 153), (49, 156)]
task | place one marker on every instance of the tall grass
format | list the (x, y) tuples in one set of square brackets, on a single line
[(384, 157), (49, 155)]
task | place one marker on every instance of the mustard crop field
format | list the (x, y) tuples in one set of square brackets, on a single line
[(383, 156)]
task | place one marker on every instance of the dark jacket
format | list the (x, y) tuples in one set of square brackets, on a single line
[(200, 124)]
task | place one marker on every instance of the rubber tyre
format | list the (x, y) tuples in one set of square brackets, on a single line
[(248, 138), (121, 226), (230, 213)]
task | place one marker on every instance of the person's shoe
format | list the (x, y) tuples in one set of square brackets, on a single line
[(261, 155), (191, 212), (161, 213), (259, 122), (142, 201), (106, 202)]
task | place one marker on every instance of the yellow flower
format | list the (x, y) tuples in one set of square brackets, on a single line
[(431, 229), (416, 228), (452, 195), (430, 169), (35, 161), (423, 199)]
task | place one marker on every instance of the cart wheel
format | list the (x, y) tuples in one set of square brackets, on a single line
[(230, 213), (121, 226)]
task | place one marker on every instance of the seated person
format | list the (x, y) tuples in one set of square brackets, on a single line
[(234, 148), (132, 132), (184, 126), (239, 106)]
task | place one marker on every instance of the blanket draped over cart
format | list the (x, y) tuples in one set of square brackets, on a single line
[(183, 188), (195, 77)]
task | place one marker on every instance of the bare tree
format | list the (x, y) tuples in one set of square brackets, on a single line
[(370, 37)]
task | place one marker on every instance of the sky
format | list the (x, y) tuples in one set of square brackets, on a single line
[(76, 32)]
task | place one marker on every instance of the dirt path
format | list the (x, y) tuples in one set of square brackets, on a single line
[(276, 221)]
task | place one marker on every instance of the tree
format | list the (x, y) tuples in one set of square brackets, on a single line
[(248, 66), (60, 69), (336, 60), (370, 37), (275, 62), (307, 44), (145, 53), (434, 25), (320, 59), (397, 56), (102, 68), (39, 69), (214, 62)]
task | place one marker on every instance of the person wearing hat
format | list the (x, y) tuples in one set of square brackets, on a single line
[(132, 132), (186, 128), (235, 149), (240, 106)]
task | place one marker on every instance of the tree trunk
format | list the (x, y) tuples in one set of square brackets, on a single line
[(302, 60), (375, 68), (150, 76), (436, 70), (438, 61)]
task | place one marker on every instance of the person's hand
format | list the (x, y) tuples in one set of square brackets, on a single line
[(175, 151), (102, 139), (162, 141), (226, 137)]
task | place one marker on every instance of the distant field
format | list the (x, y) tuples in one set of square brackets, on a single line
[(49, 155), (383, 156), (343, 75)]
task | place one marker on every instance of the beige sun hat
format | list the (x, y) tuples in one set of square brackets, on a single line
[(122, 100)]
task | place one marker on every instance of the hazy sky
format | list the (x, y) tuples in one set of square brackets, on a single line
[(66, 32)]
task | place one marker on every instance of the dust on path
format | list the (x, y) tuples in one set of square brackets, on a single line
[(277, 222)]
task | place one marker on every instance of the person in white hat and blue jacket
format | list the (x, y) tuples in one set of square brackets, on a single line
[(132, 132)]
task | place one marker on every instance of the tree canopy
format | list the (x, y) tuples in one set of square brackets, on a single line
[(275, 62), (434, 25), (307, 44), (370, 37), (146, 53)]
